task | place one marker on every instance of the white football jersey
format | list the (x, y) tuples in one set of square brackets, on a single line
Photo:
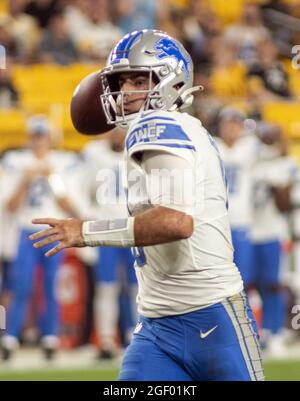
[(295, 200), (190, 274), (9, 228), (238, 161), (268, 222), (103, 181), (40, 200)]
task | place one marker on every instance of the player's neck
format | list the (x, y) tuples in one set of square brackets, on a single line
[(40, 154), (230, 142)]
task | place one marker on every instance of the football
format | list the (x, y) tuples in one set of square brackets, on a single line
[(86, 110)]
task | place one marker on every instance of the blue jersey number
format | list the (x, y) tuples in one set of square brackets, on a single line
[(37, 191)]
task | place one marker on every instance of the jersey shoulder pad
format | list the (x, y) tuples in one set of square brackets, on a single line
[(157, 129)]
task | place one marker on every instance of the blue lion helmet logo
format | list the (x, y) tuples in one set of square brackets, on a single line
[(168, 48)]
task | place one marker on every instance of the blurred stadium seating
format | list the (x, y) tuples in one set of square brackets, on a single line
[(44, 89)]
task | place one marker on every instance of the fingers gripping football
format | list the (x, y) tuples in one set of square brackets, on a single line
[(67, 232)]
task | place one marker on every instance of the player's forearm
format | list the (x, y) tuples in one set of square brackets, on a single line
[(161, 225), (282, 198), (18, 198), (158, 225), (67, 206)]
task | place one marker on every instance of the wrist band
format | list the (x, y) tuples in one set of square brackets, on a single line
[(116, 233)]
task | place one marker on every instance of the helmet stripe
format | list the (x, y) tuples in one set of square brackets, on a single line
[(123, 47)]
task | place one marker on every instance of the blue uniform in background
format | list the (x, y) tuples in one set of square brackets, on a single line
[(23, 269), (40, 200)]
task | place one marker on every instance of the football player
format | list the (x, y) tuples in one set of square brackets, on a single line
[(35, 185), (238, 150), (195, 322), (272, 178)]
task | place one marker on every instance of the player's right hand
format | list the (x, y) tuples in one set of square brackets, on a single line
[(67, 232)]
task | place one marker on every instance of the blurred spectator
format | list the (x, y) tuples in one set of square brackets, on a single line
[(77, 17), (136, 14), (175, 26), (42, 10), (228, 73), (199, 27), (56, 45), (277, 5), (273, 78), (206, 105), (91, 28), (278, 17), (6, 38), (24, 30), (9, 96), (244, 36)]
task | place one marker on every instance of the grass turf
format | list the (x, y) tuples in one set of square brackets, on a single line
[(276, 370)]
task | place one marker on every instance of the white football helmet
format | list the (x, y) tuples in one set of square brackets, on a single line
[(165, 59)]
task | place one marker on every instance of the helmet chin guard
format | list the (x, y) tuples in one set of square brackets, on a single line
[(168, 65)]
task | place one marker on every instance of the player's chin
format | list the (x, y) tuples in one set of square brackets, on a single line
[(128, 111)]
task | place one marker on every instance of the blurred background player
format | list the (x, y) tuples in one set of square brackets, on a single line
[(238, 150), (273, 175), (35, 185), (104, 162), (9, 231)]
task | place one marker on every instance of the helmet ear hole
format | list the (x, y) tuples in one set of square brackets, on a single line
[(178, 86), (155, 78)]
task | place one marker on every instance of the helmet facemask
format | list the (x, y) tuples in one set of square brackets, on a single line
[(113, 98)]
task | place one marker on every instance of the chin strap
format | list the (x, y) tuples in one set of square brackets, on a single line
[(186, 99)]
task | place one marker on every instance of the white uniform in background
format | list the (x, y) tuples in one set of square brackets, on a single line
[(269, 229), (40, 199), (105, 199), (9, 229), (295, 219), (268, 222), (103, 180), (238, 161)]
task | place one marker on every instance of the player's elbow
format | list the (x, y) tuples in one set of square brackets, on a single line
[(186, 227)]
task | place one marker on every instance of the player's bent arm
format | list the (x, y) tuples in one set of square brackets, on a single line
[(19, 196), (60, 193), (158, 225), (282, 198), (169, 219)]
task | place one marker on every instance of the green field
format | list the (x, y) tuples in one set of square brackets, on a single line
[(279, 370)]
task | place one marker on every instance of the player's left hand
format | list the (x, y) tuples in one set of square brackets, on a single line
[(67, 231)]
